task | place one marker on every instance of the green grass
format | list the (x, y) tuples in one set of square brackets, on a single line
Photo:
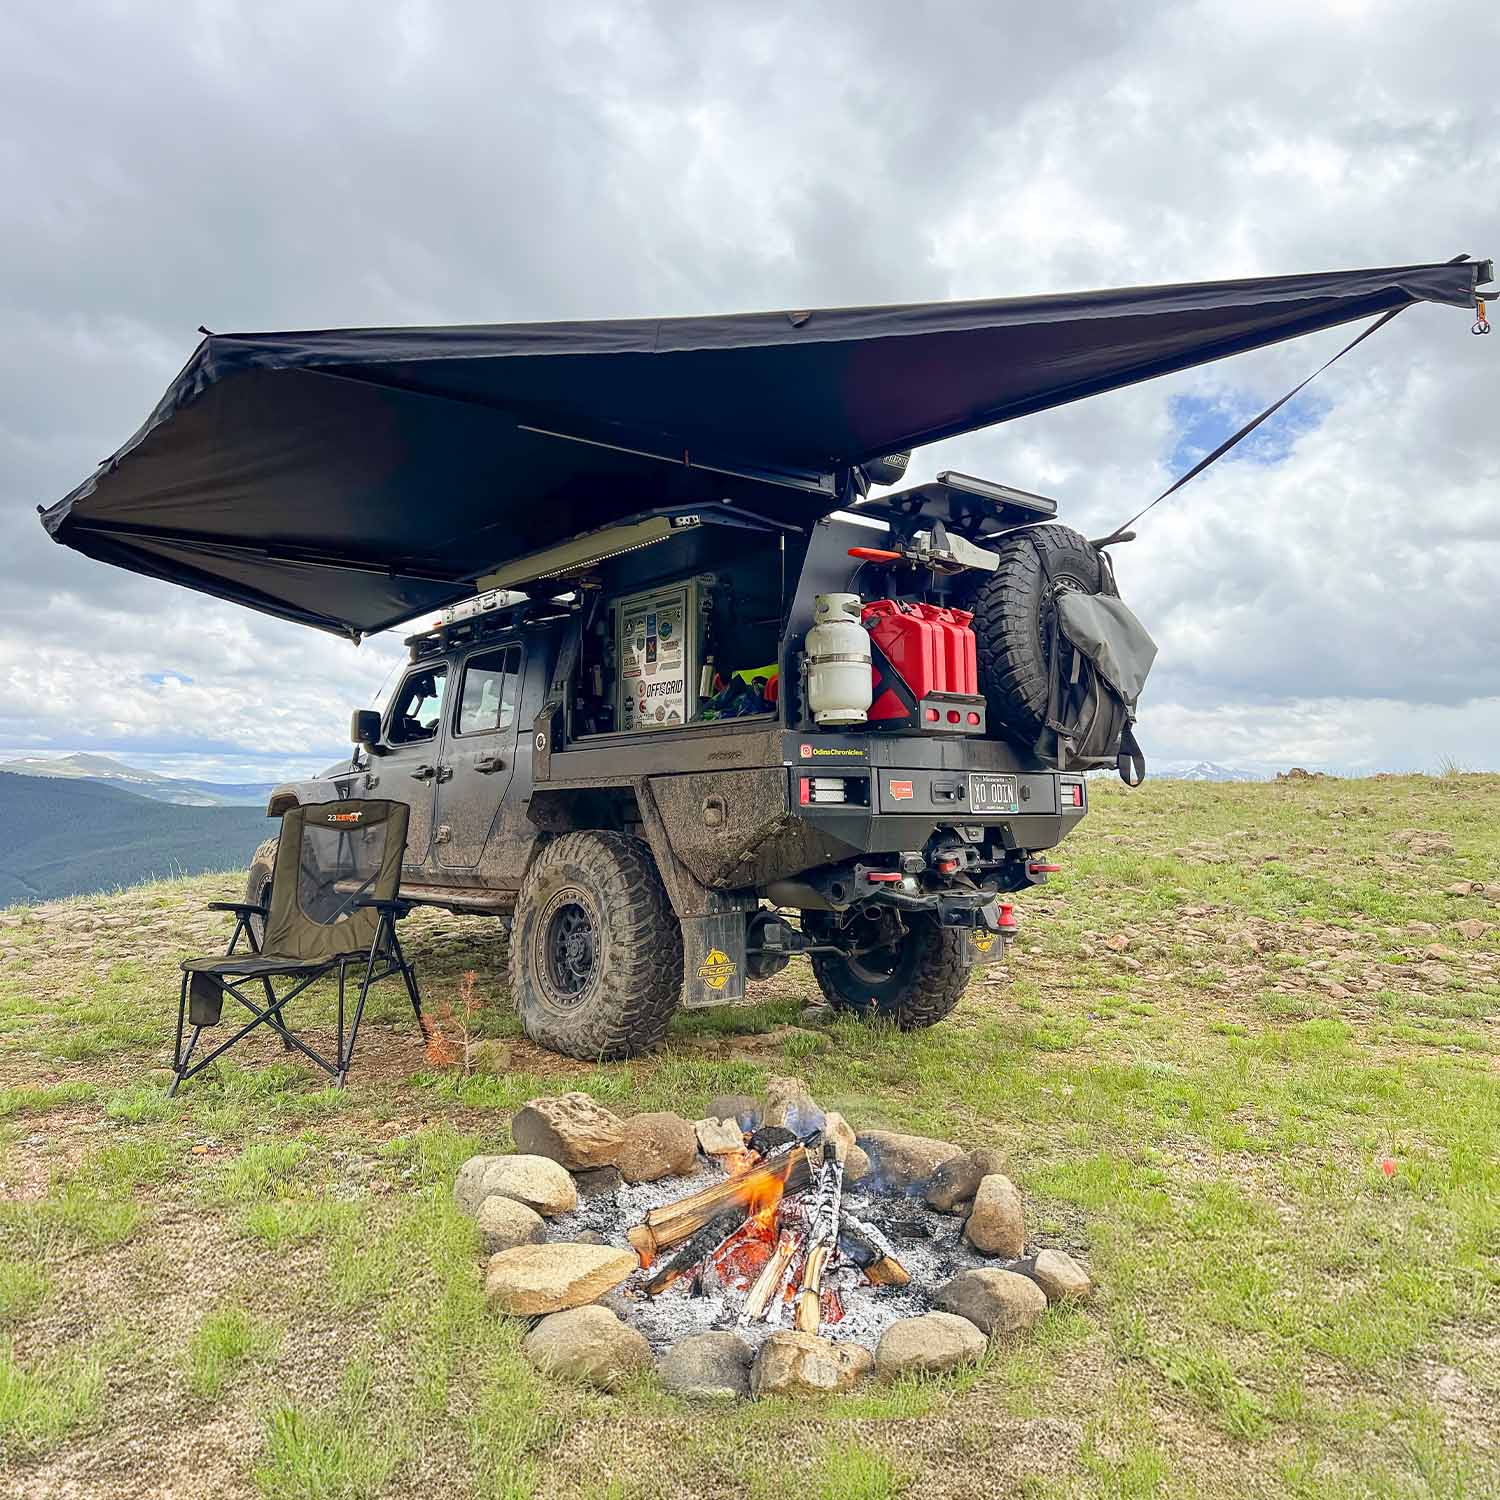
[(1201, 1117), (339, 1451), (43, 1402), (23, 1285), (227, 1341)]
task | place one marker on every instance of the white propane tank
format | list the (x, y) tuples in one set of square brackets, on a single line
[(839, 683)]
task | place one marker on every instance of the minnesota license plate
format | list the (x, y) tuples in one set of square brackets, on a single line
[(989, 793)]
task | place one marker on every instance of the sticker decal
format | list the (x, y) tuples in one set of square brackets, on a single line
[(984, 941), (901, 791), (717, 969), (345, 817)]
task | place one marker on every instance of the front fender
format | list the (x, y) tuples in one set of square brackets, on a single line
[(292, 794)]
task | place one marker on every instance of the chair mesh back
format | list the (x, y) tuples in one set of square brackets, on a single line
[(331, 856)]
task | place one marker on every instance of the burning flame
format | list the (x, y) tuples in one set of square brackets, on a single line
[(743, 1256)]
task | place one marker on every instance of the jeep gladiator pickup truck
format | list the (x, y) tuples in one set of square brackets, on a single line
[(649, 861)]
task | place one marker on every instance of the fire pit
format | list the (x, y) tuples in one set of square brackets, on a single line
[(764, 1249)]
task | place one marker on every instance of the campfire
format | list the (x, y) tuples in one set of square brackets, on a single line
[(762, 1257), (772, 1238)]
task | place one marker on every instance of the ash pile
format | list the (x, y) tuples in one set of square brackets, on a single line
[(764, 1249)]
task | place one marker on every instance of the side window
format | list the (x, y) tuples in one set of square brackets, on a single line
[(488, 700), (418, 709)]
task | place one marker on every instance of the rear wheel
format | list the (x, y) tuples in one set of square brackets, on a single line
[(595, 950), (258, 885), (914, 981)]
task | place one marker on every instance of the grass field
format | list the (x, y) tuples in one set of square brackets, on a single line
[(1245, 1065)]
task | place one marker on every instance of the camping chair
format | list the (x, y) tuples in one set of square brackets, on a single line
[(334, 903)]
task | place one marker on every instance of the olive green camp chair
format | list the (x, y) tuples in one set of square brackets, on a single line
[(334, 904)]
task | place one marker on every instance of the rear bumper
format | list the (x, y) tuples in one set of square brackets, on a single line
[(897, 791)]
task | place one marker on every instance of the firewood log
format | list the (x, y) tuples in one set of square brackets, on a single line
[(674, 1222), (689, 1259), (869, 1249)]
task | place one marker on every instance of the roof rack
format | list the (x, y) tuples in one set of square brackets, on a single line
[(487, 614)]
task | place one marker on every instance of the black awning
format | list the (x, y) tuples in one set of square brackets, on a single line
[(351, 479)]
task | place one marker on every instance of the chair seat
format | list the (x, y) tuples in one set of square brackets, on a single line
[(259, 965)]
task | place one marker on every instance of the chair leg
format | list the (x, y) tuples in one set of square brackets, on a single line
[(409, 974), (180, 1066), (359, 1010), (277, 1025)]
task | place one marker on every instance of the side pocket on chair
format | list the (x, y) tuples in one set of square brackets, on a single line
[(205, 1000)]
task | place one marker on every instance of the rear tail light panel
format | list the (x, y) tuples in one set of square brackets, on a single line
[(826, 791)]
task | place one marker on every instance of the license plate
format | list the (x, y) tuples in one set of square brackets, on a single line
[(989, 793)]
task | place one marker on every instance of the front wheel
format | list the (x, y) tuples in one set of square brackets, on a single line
[(595, 950), (258, 885), (914, 981)]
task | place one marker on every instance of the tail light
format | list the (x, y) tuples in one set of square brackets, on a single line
[(1071, 793), (833, 791)]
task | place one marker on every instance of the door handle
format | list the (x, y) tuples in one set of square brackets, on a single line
[(445, 773), (423, 773), (487, 765)]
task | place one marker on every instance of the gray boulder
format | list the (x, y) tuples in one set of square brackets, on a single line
[(1060, 1276), (902, 1162), (791, 1364), (957, 1180), (996, 1302), (745, 1108), (504, 1224), (589, 1344), (657, 1145), (598, 1183), (995, 1225), (713, 1364), (467, 1184), (536, 1181), (924, 1345), (570, 1129)]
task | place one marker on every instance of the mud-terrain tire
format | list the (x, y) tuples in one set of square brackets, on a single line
[(1012, 610), (595, 950), (258, 884), (915, 984)]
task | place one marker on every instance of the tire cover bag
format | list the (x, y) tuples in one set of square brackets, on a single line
[(1103, 628)]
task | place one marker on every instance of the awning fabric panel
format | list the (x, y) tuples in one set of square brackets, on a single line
[(353, 478)]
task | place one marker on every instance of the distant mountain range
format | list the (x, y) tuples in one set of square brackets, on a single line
[(107, 772), (68, 836), (1207, 770)]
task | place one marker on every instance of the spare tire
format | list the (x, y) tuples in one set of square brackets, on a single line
[(1013, 620)]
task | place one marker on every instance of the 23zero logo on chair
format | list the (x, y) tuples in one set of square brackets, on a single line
[(345, 817)]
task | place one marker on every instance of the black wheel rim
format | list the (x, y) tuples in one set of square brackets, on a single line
[(569, 949)]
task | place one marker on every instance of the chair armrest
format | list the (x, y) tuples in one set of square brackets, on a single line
[(238, 906), (396, 907)]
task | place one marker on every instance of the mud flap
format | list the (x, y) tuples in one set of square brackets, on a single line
[(988, 947), (713, 959)]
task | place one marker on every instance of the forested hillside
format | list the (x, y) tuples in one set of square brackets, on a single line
[(65, 838)]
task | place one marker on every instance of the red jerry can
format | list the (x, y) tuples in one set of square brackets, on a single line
[(911, 645), (956, 648)]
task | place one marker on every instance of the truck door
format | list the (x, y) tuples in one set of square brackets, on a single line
[(479, 758), (413, 739)]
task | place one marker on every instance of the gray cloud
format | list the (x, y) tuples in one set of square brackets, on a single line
[(321, 164)]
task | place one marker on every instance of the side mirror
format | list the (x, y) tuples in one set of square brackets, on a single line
[(364, 729)]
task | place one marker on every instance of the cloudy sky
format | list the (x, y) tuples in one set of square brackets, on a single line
[(1328, 599)]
